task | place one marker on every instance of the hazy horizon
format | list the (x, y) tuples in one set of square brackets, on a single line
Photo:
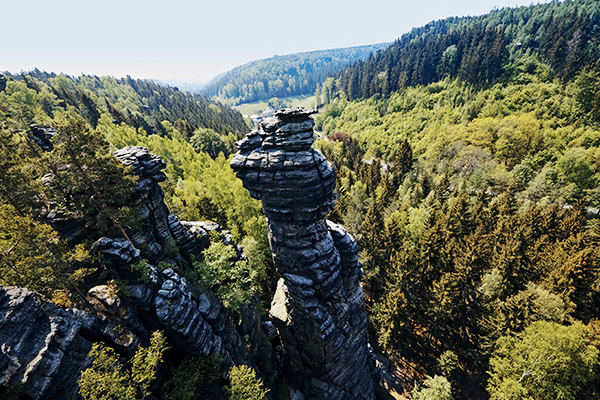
[(191, 42)]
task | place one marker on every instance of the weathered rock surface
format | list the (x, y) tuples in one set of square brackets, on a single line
[(41, 136), (318, 307), (198, 323), (45, 347), (42, 347)]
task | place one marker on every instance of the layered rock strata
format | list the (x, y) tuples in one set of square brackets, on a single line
[(318, 307), (194, 319), (44, 348)]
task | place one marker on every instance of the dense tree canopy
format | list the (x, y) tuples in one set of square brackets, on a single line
[(138, 103), (284, 76), (475, 49), (468, 168), (468, 162)]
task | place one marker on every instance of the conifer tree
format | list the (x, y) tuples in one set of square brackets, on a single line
[(403, 161), (87, 178), (373, 244)]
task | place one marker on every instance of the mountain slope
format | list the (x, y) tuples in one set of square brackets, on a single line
[(468, 156), (565, 35), (138, 103), (283, 76)]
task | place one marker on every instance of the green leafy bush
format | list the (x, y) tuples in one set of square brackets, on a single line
[(108, 379), (245, 385), (546, 361), (436, 388), (219, 271), (191, 375)]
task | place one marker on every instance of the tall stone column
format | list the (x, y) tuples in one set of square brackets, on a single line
[(318, 307)]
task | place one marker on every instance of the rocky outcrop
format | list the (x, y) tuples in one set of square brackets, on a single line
[(44, 348), (37, 338), (318, 307), (195, 320), (155, 237), (41, 136)]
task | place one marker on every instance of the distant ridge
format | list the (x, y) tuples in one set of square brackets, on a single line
[(192, 87), (286, 75), (478, 49)]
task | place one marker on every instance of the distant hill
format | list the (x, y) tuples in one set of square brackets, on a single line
[(135, 102), (192, 87), (283, 76)]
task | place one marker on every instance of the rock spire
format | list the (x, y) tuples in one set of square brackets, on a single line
[(318, 307)]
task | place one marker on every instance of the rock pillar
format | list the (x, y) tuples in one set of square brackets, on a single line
[(318, 307)]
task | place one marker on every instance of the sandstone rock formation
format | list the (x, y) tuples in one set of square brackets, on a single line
[(318, 307), (36, 340), (44, 348), (194, 319)]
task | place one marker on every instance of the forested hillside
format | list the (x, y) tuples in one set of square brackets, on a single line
[(83, 121), (565, 35), (468, 169), (469, 162), (284, 76), (137, 103), (64, 195)]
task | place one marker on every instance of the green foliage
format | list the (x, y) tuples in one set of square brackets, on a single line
[(88, 180), (447, 363), (141, 267), (259, 262), (138, 103), (18, 186), (144, 362), (532, 304), (108, 379), (192, 376), (209, 142), (219, 271), (587, 93), (468, 173), (34, 256), (198, 187), (245, 385), (479, 50), (283, 76), (546, 361), (436, 388)]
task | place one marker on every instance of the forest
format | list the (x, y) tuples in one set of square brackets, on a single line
[(468, 163), (57, 137), (563, 34), (283, 76)]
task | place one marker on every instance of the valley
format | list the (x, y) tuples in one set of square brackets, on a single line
[(429, 232)]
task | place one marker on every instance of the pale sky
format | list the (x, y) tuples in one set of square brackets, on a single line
[(196, 40)]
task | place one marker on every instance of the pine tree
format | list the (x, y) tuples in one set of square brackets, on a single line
[(87, 178), (18, 186), (373, 245), (89, 110)]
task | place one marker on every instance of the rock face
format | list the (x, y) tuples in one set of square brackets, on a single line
[(41, 136), (318, 307), (194, 319), (42, 347)]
